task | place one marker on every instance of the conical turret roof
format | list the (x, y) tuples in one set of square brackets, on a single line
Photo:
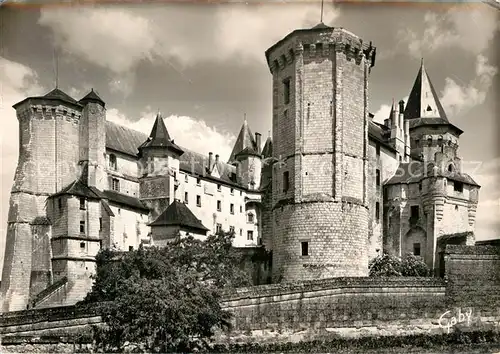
[(245, 143), (159, 137), (423, 101), (92, 96)]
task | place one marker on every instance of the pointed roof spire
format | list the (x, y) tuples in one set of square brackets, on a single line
[(92, 96), (159, 137), (423, 101), (244, 143)]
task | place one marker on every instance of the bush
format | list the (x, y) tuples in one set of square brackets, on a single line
[(164, 299), (391, 266)]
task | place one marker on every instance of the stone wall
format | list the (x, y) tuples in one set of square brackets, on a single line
[(468, 298)]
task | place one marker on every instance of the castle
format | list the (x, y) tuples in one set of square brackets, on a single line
[(329, 191)]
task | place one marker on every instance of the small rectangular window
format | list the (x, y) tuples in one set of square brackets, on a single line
[(377, 177), (82, 203), (100, 224), (59, 202), (219, 187), (241, 208), (414, 211), (231, 229), (186, 197), (232, 191), (186, 178), (250, 235), (416, 249), (377, 211), (219, 205), (218, 228), (198, 201), (286, 181), (115, 184), (241, 232), (82, 245), (82, 227), (377, 147), (231, 208), (198, 181), (458, 186), (304, 248), (130, 248), (286, 91), (250, 218)]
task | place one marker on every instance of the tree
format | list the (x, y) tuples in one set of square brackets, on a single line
[(165, 299), (386, 265)]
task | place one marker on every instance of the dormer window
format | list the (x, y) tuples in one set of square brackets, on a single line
[(112, 162)]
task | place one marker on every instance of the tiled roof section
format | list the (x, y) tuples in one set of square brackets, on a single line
[(123, 139), (126, 140), (423, 101), (321, 25), (196, 164), (78, 188), (178, 214), (415, 171), (244, 142), (54, 95), (417, 122), (92, 96), (123, 199), (267, 150), (60, 95), (378, 132), (159, 137), (106, 207)]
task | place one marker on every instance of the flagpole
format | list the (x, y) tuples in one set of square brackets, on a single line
[(321, 20)]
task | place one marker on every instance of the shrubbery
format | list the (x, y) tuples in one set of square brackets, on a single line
[(165, 299), (386, 265)]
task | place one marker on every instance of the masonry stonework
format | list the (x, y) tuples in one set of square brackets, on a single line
[(330, 190)]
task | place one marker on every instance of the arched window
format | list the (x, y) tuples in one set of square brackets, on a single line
[(450, 167), (112, 162)]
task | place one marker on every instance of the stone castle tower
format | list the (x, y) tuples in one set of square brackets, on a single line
[(64, 141), (320, 136)]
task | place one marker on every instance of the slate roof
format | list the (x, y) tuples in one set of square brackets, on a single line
[(159, 137), (92, 96), (267, 150), (423, 101), (415, 171), (245, 143), (54, 95), (80, 189), (124, 199), (178, 214), (126, 141), (122, 139)]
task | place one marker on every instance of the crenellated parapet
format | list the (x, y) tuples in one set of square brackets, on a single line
[(319, 42), (49, 112)]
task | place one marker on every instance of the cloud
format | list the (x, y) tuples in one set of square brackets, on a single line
[(118, 39), (456, 98), (470, 27), (18, 82), (187, 132)]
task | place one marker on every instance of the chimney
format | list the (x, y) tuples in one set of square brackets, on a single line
[(216, 158), (257, 140), (401, 113), (394, 117), (210, 161)]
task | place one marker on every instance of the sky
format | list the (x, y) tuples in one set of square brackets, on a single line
[(203, 67)]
